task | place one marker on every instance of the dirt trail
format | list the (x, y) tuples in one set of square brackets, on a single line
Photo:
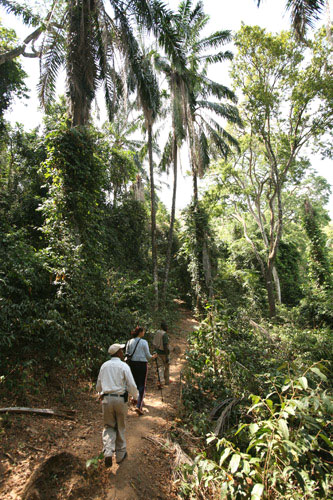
[(44, 459)]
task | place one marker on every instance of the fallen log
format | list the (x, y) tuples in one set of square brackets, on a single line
[(45, 412)]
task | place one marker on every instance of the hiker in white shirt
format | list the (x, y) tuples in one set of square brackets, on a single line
[(114, 382)]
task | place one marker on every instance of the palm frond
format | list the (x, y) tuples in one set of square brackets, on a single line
[(203, 154), (162, 64), (23, 11), (52, 59), (166, 158), (304, 13), (216, 89), (217, 58), (113, 84), (140, 68), (219, 140), (227, 111), (224, 135), (214, 40)]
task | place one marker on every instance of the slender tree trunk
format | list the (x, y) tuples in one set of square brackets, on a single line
[(329, 26), (153, 216), (195, 188), (270, 290), (277, 284), (172, 217), (207, 268)]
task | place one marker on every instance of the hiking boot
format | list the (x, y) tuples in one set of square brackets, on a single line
[(139, 411), (122, 459), (108, 461)]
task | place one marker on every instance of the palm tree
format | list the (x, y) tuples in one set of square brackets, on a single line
[(304, 13), (176, 137), (84, 39), (149, 97), (205, 97), (190, 90)]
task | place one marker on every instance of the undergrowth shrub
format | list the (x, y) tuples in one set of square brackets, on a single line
[(276, 437), (281, 449)]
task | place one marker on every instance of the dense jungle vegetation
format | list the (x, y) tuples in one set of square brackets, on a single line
[(88, 250)]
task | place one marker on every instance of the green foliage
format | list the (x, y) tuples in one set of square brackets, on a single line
[(320, 271), (288, 266), (77, 171), (94, 462), (281, 449), (199, 251), (274, 401), (11, 75), (73, 268)]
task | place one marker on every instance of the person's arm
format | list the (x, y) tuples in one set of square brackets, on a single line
[(130, 383), (99, 383), (146, 351)]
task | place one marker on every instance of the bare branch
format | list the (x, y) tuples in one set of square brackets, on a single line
[(20, 50)]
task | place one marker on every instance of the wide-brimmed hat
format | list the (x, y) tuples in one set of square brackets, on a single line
[(115, 348)]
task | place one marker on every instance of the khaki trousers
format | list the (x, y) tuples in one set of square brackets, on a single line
[(114, 415), (163, 368)]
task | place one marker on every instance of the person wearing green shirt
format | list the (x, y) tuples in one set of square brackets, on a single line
[(161, 345)]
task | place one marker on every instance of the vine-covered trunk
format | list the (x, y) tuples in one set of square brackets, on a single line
[(172, 217), (153, 216), (195, 188)]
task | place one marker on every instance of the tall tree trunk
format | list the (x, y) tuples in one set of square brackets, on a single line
[(207, 268), (277, 284), (329, 26), (172, 217), (270, 290), (195, 187), (153, 216), (80, 65)]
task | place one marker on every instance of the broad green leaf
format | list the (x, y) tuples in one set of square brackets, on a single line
[(224, 455), (253, 428), (284, 428), (269, 404), (210, 439), (234, 463), (327, 441), (246, 467), (257, 491), (320, 374), (241, 428), (290, 410), (304, 382)]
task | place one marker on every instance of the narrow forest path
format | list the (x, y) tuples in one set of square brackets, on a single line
[(44, 459)]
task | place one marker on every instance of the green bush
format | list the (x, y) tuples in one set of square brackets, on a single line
[(282, 448)]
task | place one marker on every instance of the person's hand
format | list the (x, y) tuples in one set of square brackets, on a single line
[(154, 356)]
